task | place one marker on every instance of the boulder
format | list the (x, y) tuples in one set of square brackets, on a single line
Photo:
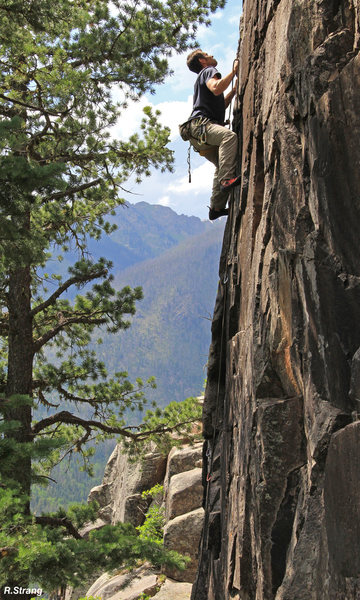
[(183, 459), (120, 499), (173, 590), (128, 586), (98, 524), (184, 493), (183, 535)]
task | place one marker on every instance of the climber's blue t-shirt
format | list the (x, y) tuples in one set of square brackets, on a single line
[(206, 104)]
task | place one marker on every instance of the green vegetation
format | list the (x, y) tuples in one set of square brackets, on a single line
[(152, 529), (51, 558), (61, 174), (153, 525)]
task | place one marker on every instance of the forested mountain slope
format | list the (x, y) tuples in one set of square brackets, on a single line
[(170, 334)]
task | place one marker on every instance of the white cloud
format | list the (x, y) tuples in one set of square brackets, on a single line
[(164, 201), (218, 14), (201, 181), (182, 80), (172, 114), (130, 119), (234, 20), (205, 34)]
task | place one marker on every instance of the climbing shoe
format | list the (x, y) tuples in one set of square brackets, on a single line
[(228, 184), (215, 214)]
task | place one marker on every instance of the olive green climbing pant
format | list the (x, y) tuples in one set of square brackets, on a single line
[(220, 149)]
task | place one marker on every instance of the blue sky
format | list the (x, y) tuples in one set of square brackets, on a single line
[(174, 100)]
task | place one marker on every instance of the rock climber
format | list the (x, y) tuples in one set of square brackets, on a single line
[(206, 127)]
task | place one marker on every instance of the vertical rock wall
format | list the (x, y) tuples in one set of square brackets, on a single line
[(283, 395)]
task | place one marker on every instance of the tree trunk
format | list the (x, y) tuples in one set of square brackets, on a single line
[(19, 382), (20, 359)]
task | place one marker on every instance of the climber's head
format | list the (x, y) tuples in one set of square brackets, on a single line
[(198, 60)]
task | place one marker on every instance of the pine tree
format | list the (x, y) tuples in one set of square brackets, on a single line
[(61, 173)]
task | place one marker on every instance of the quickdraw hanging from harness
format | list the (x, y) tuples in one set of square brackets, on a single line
[(189, 162)]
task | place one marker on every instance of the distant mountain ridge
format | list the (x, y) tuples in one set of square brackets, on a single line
[(145, 231)]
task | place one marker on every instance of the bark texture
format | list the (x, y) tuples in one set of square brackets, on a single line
[(282, 401)]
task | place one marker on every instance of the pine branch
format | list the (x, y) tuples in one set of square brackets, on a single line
[(86, 157), (59, 522), (143, 435), (74, 190), (91, 401), (73, 398), (63, 322), (70, 419), (52, 113), (65, 286)]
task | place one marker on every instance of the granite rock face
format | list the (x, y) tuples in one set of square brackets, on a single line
[(119, 495), (173, 590), (282, 401)]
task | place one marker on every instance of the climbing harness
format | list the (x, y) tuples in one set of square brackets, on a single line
[(186, 131)]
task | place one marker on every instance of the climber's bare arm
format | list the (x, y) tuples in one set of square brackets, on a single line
[(231, 94), (218, 86)]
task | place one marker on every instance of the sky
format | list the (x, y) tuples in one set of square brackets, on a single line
[(174, 99)]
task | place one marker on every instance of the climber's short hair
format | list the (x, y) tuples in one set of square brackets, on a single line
[(192, 61)]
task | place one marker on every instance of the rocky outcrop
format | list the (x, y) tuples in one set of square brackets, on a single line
[(120, 499), (282, 400), (119, 495), (137, 584), (173, 590), (184, 493)]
